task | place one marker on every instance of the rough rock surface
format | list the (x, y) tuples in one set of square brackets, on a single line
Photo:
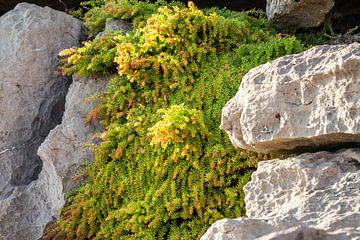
[(241, 228), (306, 101), (311, 196), (32, 101), (115, 25), (298, 13), (257, 229), (320, 190), (62, 153), (301, 232), (64, 147)]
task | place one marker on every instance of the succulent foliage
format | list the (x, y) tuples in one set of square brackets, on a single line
[(164, 169)]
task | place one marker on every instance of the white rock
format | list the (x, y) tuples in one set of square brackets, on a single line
[(301, 232), (314, 196), (241, 228), (298, 13), (298, 102), (319, 190)]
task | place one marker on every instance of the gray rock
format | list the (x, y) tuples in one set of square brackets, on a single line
[(65, 148), (116, 25), (307, 101), (241, 228), (298, 13), (319, 190), (63, 153), (32, 100)]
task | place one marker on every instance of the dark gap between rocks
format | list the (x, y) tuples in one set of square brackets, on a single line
[(49, 116)]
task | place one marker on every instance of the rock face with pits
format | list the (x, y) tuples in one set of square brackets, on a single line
[(298, 13), (313, 195), (32, 98), (320, 190), (306, 101)]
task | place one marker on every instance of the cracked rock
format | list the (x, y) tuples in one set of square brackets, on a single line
[(314, 196), (32, 101)]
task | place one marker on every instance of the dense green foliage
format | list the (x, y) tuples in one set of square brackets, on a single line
[(165, 170)]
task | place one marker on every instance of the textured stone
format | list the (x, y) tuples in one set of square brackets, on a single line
[(298, 13), (32, 100), (64, 148), (319, 190), (241, 228), (256, 229), (116, 25), (314, 196), (300, 232), (307, 101)]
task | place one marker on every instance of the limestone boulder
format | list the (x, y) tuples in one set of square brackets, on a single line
[(311, 196), (32, 98), (256, 229), (319, 190), (298, 13), (302, 102), (301, 232)]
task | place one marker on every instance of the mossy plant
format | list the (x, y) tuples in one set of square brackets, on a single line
[(164, 168)]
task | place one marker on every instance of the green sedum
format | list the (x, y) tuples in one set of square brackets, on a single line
[(164, 168)]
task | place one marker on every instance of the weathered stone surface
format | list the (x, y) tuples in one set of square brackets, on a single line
[(241, 228), (300, 232), (64, 147), (32, 100), (298, 13), (320, 190), (116, 25), (311, 196), (256, 229), (306, 101)]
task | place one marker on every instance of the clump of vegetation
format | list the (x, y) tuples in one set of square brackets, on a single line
[(164, 169)]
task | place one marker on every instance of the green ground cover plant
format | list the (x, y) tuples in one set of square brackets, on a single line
[(164, 168)]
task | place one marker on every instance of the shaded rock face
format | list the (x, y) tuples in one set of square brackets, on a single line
[(298, 13), (298, 102), (64, 148), (32, 102), (63, 153), (319, 190), (7, 5), (116, 25), (31, 95), (311, 196)]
